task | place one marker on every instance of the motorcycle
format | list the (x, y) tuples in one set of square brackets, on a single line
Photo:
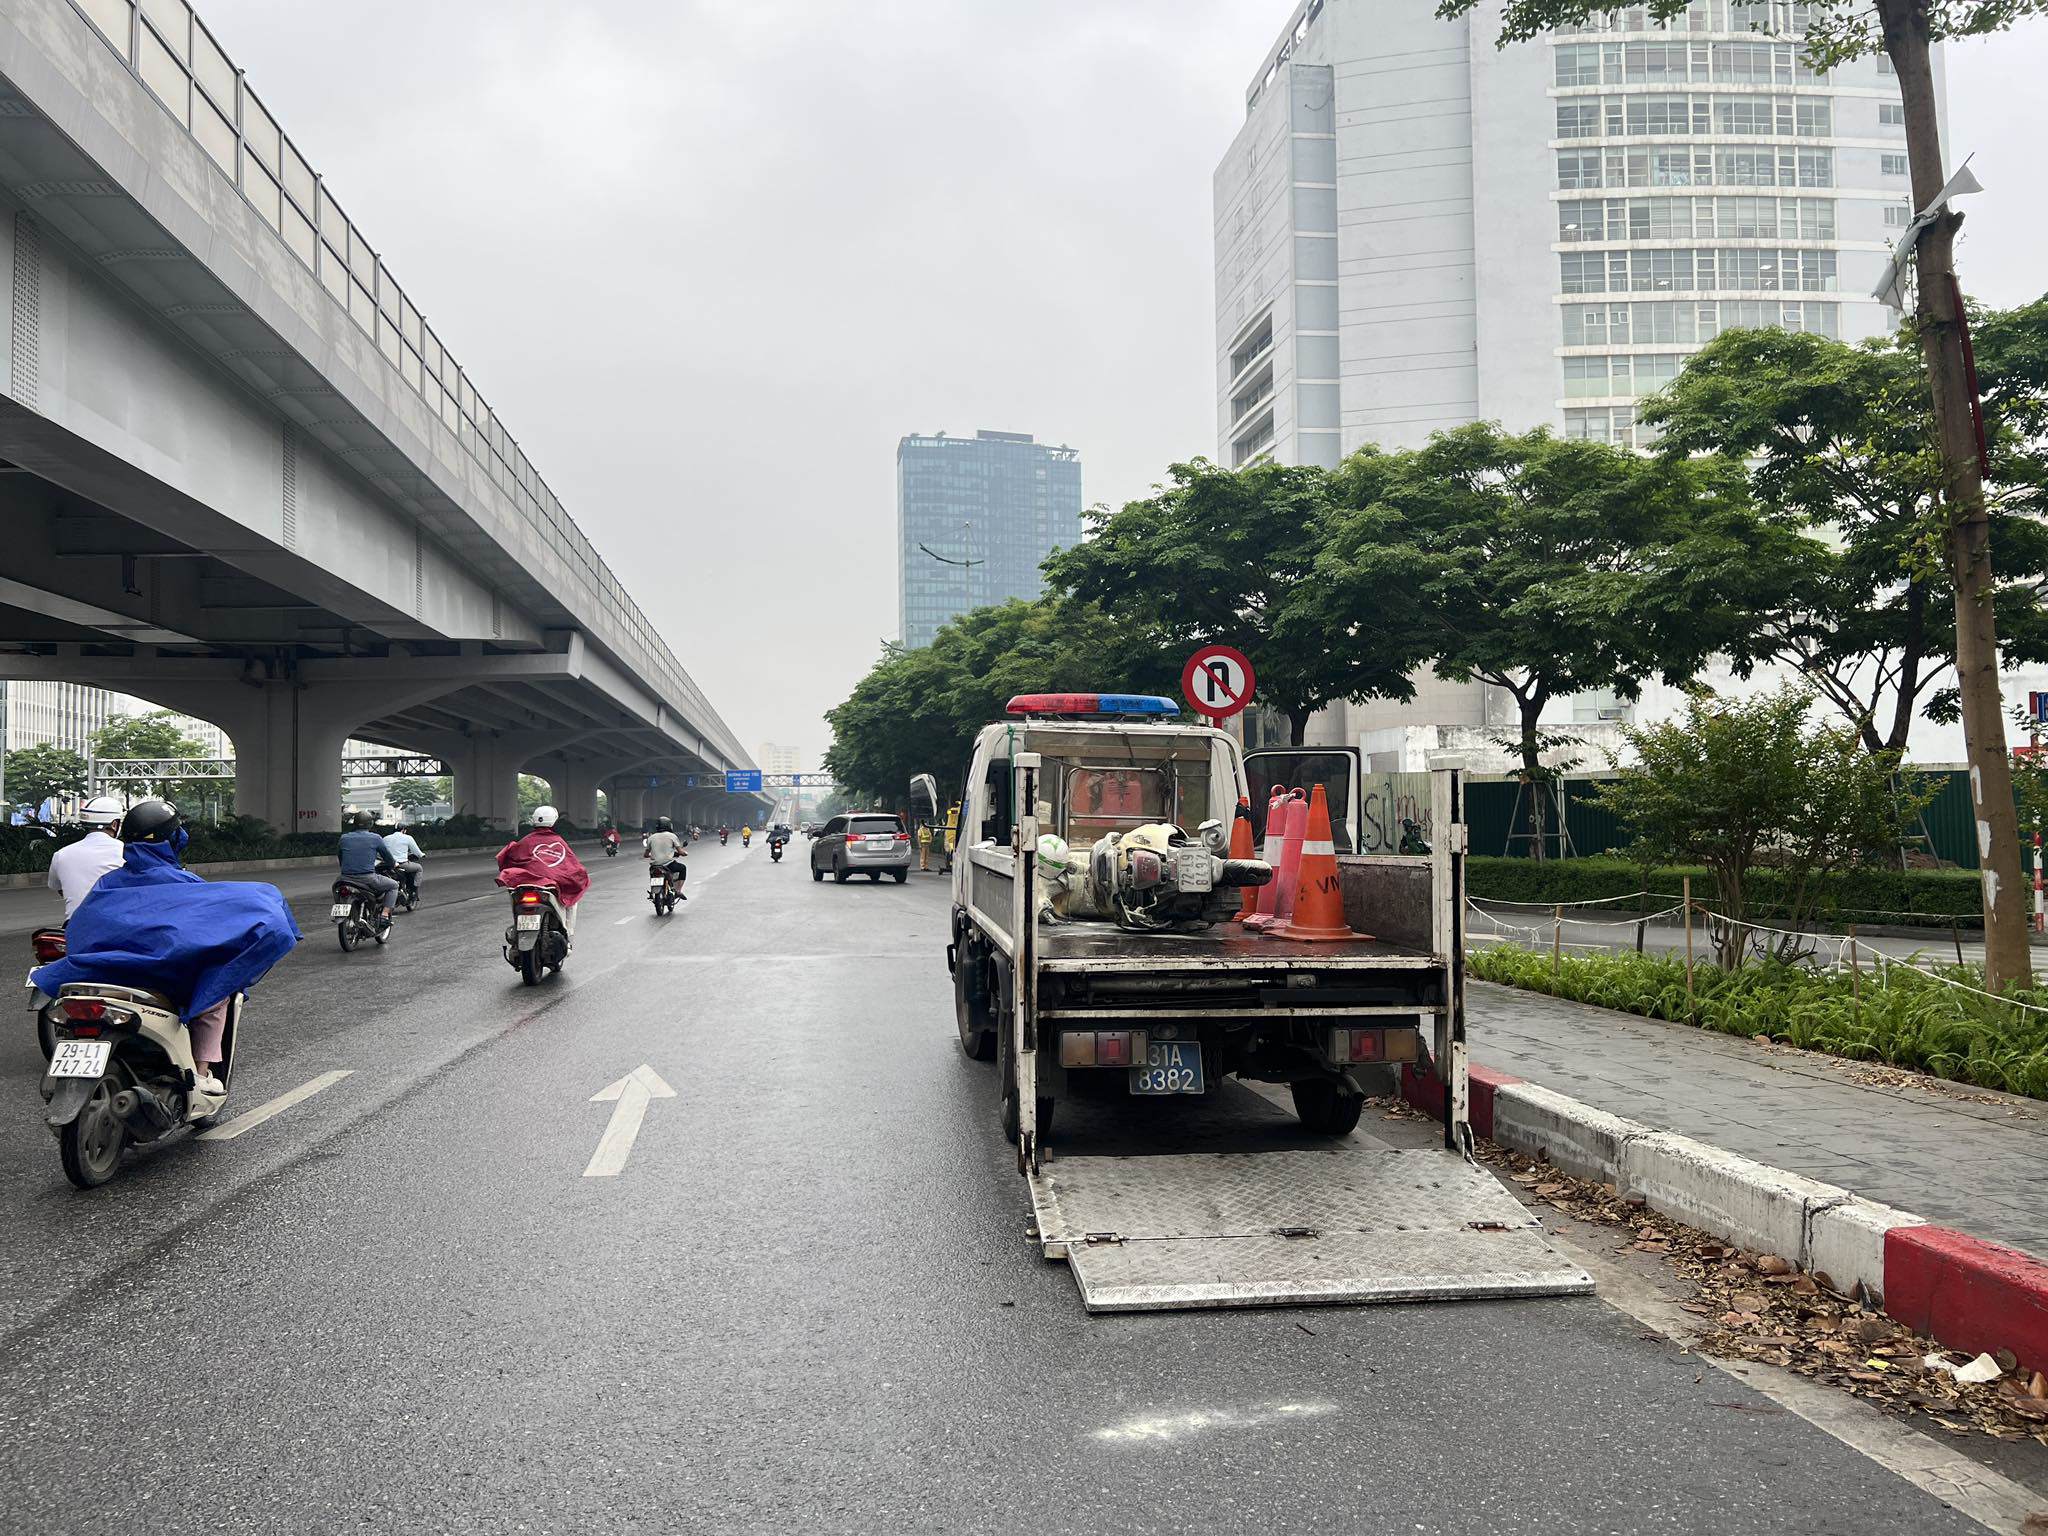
[(611, 847), (775, 852), (122, 1071), (358, 913), (47, 944), (538, 940), (746, 839), (408, 895), (723, 836), (663, 890)]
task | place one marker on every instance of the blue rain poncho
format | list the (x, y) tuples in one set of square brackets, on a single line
[(155, 925)]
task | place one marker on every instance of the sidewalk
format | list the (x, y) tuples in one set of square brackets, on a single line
[(1957, 1155)]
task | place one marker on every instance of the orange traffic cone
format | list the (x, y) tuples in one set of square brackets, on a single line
[(1241, 848), (1319, 898)]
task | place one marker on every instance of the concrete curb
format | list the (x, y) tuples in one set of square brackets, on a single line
[(35, 879), (1967, 1293)]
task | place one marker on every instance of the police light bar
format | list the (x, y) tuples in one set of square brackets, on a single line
[(1091, 704)]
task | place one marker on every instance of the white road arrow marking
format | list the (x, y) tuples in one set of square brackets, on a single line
[(631, 1094)]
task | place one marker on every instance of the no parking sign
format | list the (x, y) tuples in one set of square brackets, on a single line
[(1218, 681)]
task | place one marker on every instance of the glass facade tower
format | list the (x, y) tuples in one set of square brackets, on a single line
[(974, 518)]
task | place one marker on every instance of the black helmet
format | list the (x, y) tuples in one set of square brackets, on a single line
[(149, 821), (663, 824)]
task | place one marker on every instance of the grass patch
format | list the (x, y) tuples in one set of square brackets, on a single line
[(1911, 1021)]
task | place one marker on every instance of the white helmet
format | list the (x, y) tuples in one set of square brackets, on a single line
[(543, 815), (100, 811)]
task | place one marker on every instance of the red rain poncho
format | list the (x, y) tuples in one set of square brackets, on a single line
[(543, 857)]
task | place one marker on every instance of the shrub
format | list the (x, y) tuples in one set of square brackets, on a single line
[(1903, 1017)]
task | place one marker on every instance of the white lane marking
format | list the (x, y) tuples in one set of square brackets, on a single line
[(630, 917), (631, 1094), (1968, 1487), (274, 1108), (770, 958), (1178, 1426)]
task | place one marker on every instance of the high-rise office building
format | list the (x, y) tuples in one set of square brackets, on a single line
[(774, 758), (1417, 229), (974, 518)]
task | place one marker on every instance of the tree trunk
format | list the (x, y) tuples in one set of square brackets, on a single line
[(1532, 769), (1297, 725), (2007, 959)]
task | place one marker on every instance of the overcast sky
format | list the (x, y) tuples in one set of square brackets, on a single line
[(709, 259)]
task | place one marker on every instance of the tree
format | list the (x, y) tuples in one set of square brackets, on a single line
[(36, 773), (1736, 785), (1223, 555), (533, 793), (917, 711), (412, 794), (1838, 439), (1542, 566), (1904, 30), (158, 735)]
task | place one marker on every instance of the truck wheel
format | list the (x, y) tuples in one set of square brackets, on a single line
[(1325, 1110), (1010, 1118), (971, 1013)]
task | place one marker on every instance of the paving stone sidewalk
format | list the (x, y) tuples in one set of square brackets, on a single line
[(1961, 1156)]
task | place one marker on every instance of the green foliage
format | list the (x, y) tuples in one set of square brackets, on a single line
[(157, 734), (1904, 1019), (1872, 895), (917, 711), (533, 793), (413, 794), (36, 773), (1840, 442), (1224, 555), (1740, 783)]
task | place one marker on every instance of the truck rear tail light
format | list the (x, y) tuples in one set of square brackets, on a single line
[(1102, 1048), (1356, 1045)]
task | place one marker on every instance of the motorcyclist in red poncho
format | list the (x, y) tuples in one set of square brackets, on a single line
[(544, 857)]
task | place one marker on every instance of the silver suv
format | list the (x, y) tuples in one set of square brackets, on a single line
[(869, 843)]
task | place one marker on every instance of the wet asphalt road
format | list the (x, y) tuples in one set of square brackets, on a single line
[(806, 1305)]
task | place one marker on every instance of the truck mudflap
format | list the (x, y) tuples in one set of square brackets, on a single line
[(1268, 1229)]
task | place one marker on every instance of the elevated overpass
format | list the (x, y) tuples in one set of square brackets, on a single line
[(241, 477)]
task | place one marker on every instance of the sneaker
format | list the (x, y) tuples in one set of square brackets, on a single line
[(206, 1082)]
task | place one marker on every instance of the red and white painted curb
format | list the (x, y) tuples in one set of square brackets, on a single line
[(1967, 1293)]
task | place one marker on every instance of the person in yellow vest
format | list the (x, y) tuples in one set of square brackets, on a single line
[(924, 845), (952, 834)]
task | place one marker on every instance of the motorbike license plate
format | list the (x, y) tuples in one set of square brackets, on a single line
[(340, 909), (81, 1058), (1171, 1066), (526, 920)]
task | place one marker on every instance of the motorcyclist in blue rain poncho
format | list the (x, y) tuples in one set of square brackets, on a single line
[(155, 925)]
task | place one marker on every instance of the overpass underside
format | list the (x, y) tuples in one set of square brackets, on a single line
[(220, 490)]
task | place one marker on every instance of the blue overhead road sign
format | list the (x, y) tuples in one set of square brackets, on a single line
[(743, 781)]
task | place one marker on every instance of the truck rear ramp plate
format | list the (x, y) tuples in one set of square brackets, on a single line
[(1271, 1229)]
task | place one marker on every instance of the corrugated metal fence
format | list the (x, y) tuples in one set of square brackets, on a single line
[(1497, 809)]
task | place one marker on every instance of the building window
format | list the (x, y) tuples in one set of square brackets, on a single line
[(1259, 340), (1578, 64), (1892, 165), (1256, 440), (1897, 216)]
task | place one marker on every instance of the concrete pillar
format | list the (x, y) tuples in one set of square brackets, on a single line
[(574, 785), (288, 738), (486, 766), (629, 805)]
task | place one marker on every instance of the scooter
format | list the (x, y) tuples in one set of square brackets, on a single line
[(538, 940), (664, 890), (611, 847), (47, 944), (775, 851), (122, 1071), (358, 913), (722, 836)]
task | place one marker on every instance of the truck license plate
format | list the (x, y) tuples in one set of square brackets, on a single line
[(81, 1058), (526, 920), (1171, 1066)]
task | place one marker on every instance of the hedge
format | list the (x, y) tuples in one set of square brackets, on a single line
[(1866, 895), (1898, 1016)]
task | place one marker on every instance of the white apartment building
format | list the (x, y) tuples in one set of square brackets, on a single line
[(67, 714), (1416, 229), (779, 759)]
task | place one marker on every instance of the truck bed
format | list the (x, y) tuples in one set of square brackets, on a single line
[(1098, 946)]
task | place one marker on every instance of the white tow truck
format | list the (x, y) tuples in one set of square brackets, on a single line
[(1174, 1012)]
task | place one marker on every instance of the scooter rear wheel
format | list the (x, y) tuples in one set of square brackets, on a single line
[(530, 967), (90, 1146)]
